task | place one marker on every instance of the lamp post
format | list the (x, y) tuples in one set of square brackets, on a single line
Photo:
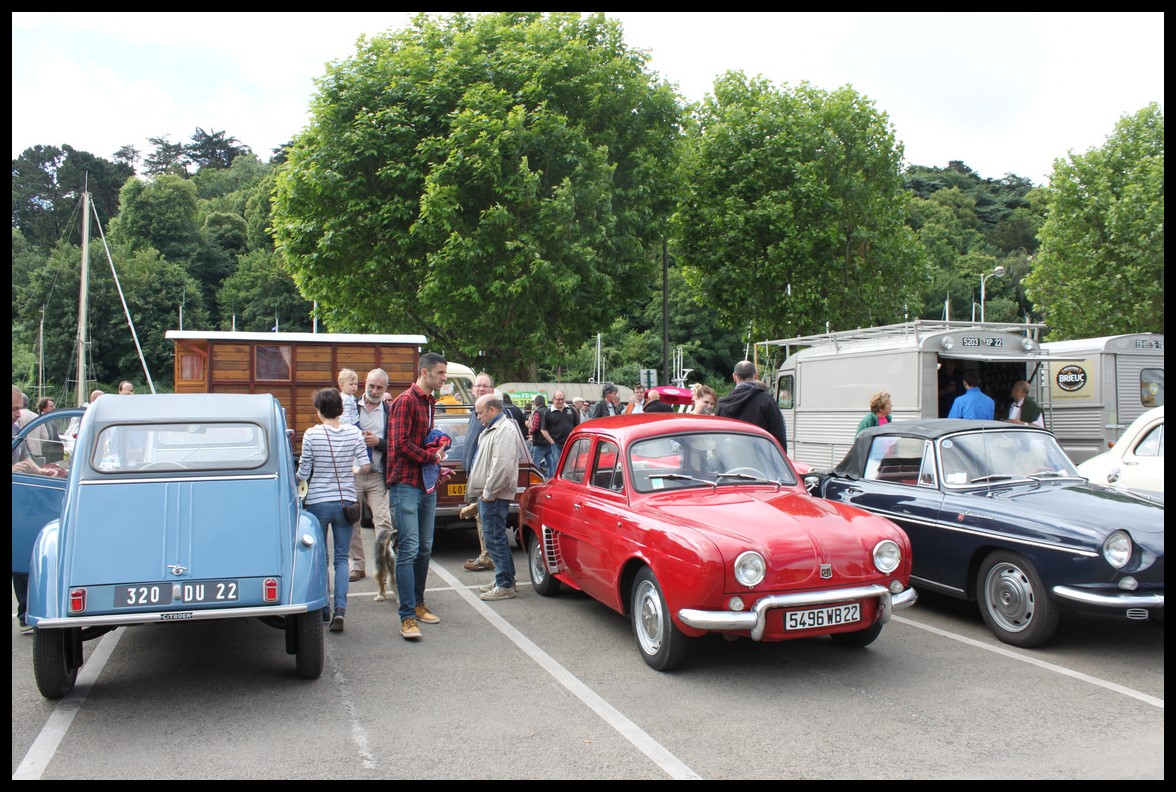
[(996, 273)]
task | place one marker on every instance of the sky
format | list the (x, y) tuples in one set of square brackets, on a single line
[(1001, 92)]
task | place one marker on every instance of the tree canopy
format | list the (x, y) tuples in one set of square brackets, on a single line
[(793, 210), (497, 182), (1100, 268)]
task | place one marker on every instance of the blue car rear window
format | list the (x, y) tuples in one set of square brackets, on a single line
[(164, 447)]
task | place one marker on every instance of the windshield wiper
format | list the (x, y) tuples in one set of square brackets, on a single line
[(749, 477), (990, 477), (682, 477)]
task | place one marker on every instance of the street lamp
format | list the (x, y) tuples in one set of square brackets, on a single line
[(996, 273)]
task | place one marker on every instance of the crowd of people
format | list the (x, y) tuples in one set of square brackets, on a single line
[(379, 455)]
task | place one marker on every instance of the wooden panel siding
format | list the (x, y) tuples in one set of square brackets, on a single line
[(314, 363), (231, 362)]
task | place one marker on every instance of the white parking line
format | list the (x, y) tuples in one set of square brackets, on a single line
[(1057, 669), (672, 765), (43, 748)]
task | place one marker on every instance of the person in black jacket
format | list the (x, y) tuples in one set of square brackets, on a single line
[(750, 401), (509, 408)]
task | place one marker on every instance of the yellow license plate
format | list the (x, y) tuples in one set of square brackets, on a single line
[(457, 489)]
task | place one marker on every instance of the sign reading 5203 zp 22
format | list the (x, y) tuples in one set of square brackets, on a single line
[(147, 595), (976, 341)]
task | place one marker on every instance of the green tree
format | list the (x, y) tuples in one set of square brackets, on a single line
[(162, 214), (495, 182), (154, 289), (166, 157), (1100, 268), (47, 183), (261, 292), (793, 211), (213, 150)]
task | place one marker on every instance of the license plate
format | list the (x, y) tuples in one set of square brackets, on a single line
[(210, 591), (457, 489), (823, 617), (197, 592), (144, 596)]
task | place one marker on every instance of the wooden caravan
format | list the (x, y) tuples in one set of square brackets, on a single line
[(291, 366)]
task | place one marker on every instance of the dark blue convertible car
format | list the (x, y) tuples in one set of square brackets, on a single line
[(997, 514), (169, 508)]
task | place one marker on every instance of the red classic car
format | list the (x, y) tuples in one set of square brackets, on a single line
[(690, 524)]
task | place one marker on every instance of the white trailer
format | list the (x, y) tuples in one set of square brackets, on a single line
[(1099, 387), (826, 381)]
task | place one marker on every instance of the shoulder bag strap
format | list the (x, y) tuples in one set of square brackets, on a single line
[(331, 449)]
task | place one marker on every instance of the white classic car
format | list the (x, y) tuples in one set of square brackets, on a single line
[(1136, 462)]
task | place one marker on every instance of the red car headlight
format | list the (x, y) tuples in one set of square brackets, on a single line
[(887, 556)]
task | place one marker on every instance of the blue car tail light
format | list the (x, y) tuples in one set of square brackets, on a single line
[(269, 590), (77, 600)]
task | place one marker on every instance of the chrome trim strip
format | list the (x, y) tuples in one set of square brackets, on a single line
[(756, 619), (899, 517), (1124, 599), (120, 619), (931, 584), (186, 479)]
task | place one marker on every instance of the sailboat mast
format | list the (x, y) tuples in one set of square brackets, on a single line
[(83, 300)]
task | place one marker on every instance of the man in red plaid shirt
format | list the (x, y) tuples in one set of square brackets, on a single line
[(409, 422)]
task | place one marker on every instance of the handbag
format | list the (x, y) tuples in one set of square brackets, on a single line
[(352, 512)]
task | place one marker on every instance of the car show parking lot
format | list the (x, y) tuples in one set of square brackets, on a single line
[(550, 688)]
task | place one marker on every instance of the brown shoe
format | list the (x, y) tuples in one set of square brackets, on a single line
[(478, 565), (409, 629), (468, 512), (356, 575), (425, 615)]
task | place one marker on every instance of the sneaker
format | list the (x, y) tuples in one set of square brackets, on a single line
[(478, 565), (486, 587), (337, 624), (425, 615), (25, 629), (326, 615), (499, 593), (409, 629)]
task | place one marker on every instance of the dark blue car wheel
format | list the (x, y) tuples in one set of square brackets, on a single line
[(1013, 600)]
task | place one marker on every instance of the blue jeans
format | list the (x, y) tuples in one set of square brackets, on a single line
[(493, 514), (413, 510), (331, 514), (546, 457)]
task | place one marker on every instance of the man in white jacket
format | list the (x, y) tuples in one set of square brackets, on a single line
[(494, 477)]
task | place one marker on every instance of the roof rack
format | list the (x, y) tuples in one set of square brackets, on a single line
[(918, 327)]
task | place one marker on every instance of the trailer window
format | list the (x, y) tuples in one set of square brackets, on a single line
[(784, 392), (1151, 387), (273, 361)]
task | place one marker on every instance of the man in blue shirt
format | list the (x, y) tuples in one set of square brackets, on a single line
[(974, 403)]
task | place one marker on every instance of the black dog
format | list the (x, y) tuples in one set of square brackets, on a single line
[(385, 563)]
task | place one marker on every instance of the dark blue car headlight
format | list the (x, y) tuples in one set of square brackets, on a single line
[(1117, 549)]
